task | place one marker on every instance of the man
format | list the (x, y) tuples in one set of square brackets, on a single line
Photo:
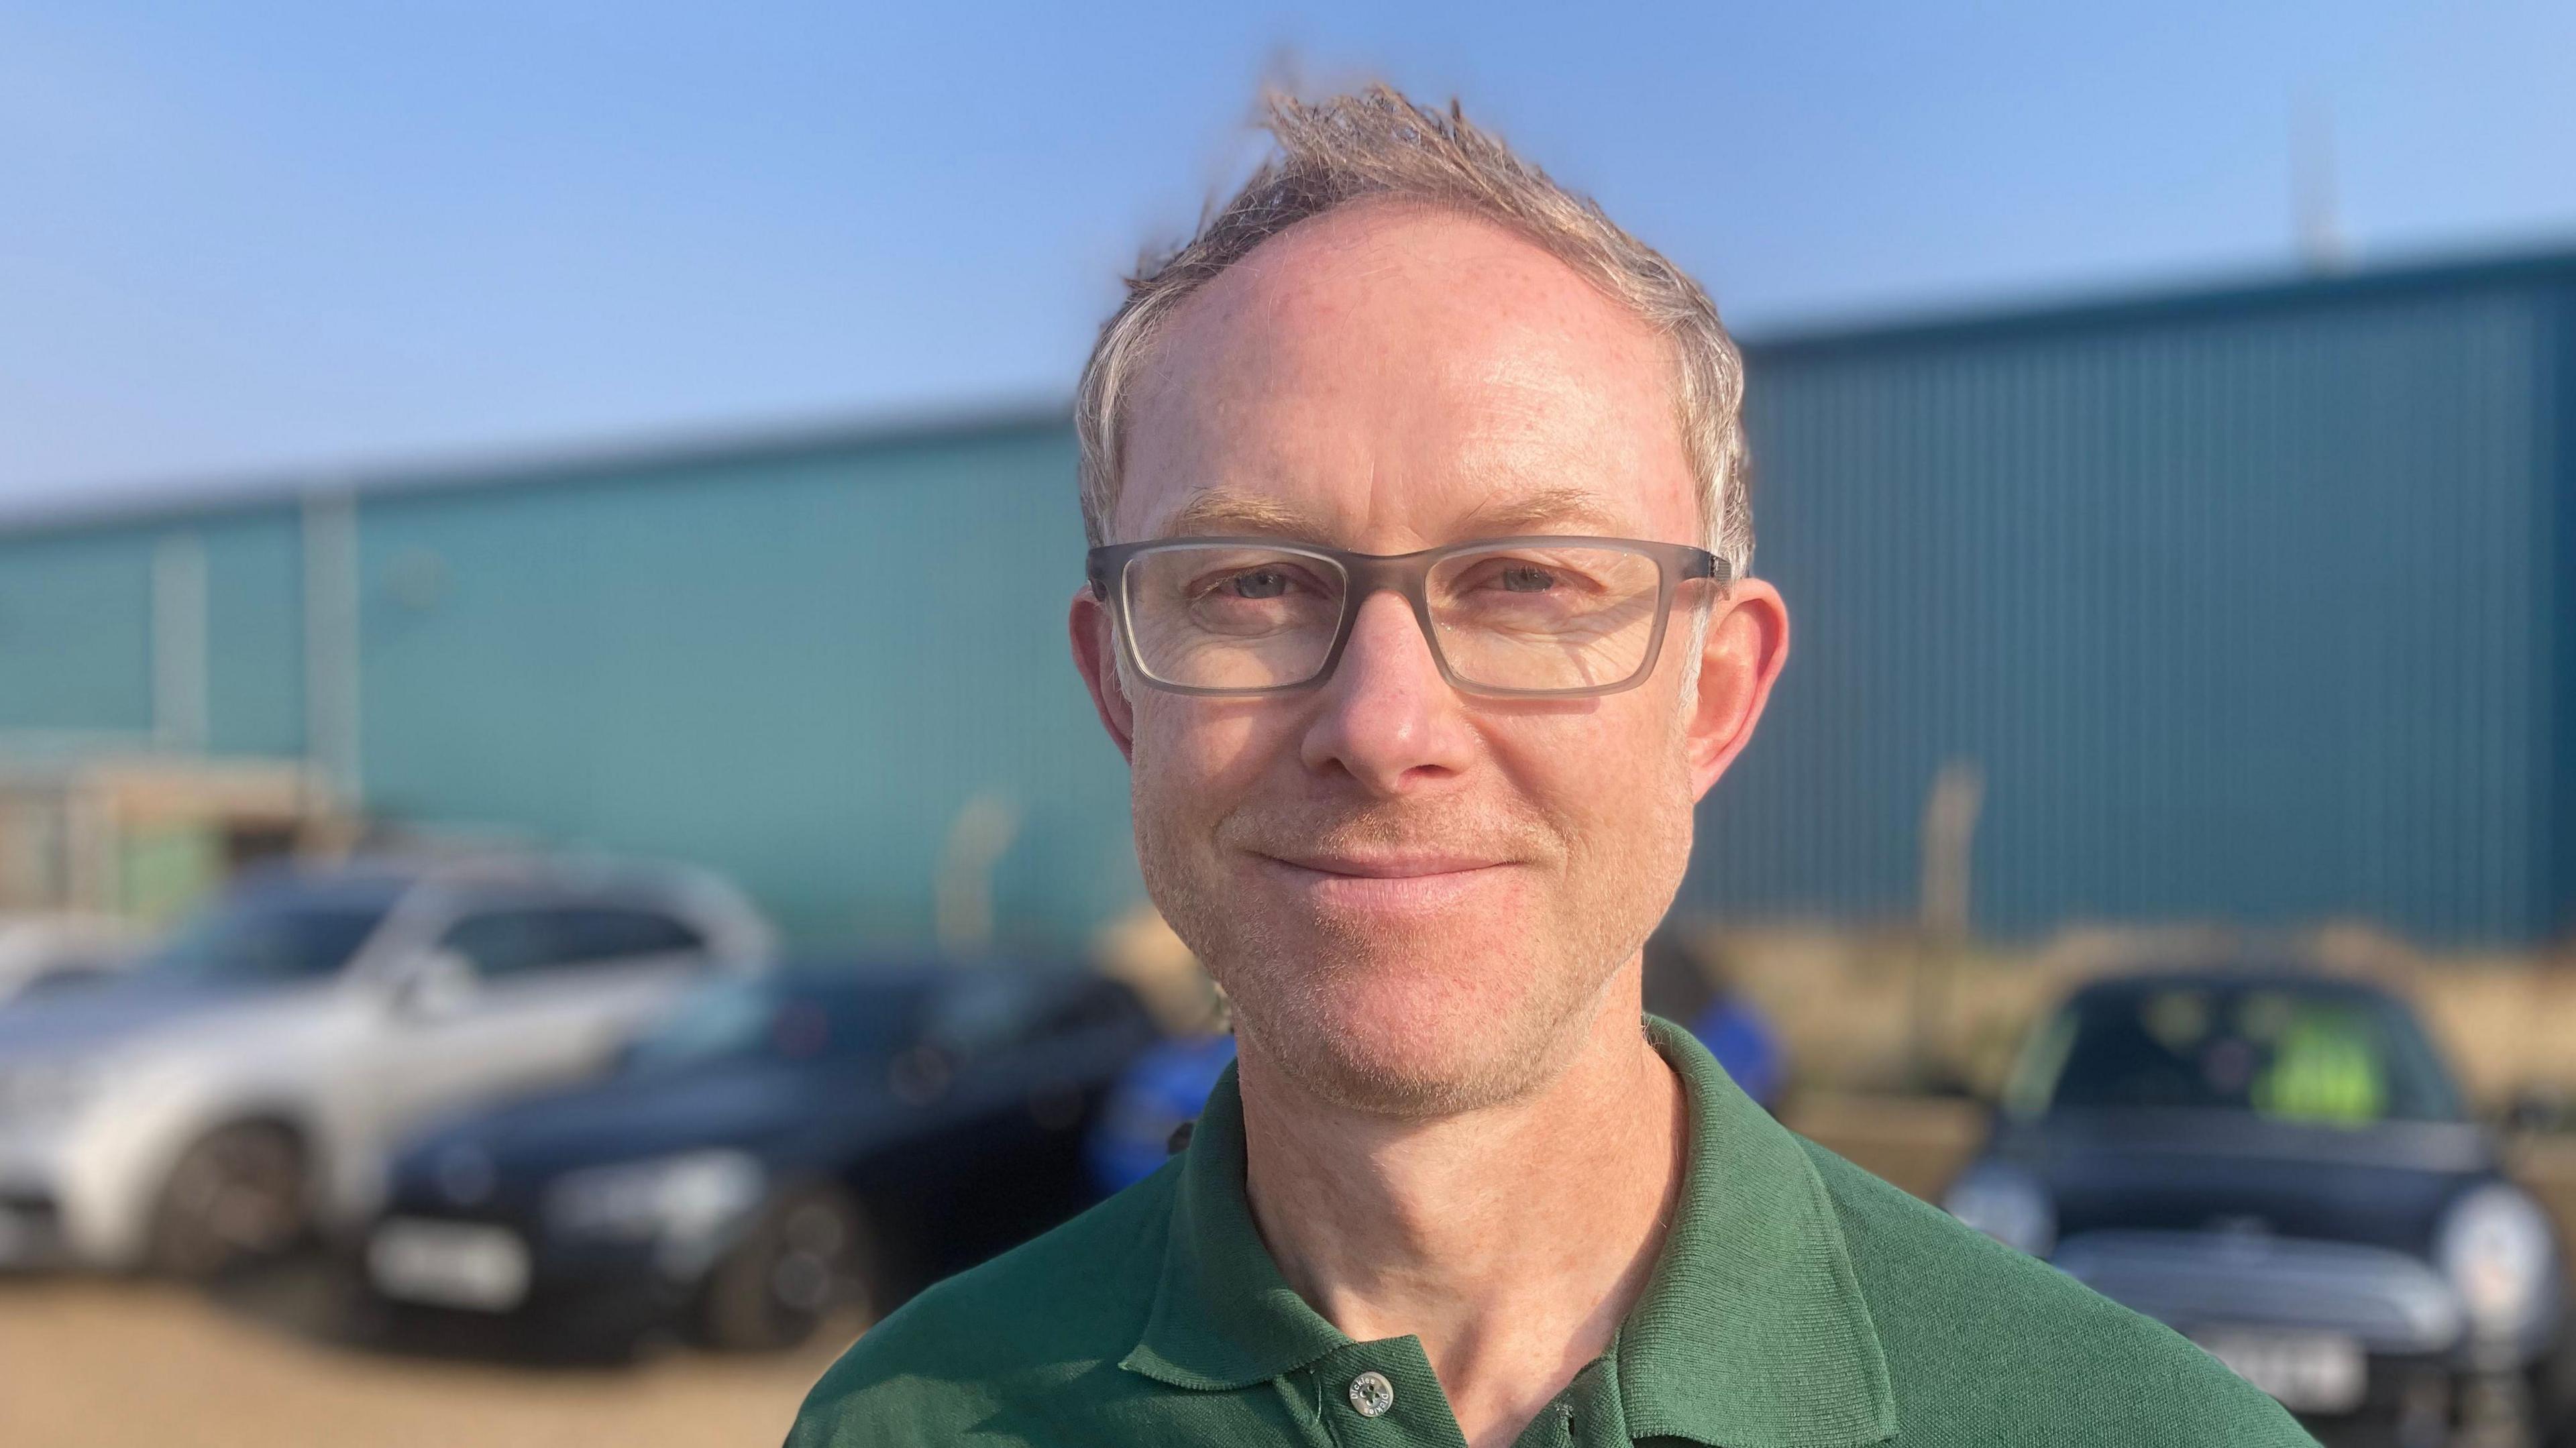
[(1420, 614)]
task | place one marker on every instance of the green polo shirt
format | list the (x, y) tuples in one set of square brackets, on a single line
[(1800, 1303)]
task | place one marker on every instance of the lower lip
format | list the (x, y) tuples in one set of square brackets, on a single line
[(1387, 894)]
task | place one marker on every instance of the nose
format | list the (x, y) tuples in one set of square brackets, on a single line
[(1386, 717)]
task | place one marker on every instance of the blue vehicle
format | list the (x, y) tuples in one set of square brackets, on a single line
[(1140, 1125)]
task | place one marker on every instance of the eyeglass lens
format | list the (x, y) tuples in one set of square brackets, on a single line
[(1231, 616)]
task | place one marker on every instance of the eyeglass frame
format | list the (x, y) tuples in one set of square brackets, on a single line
[(1365, 575)]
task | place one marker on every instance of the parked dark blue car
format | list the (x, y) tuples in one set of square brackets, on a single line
[(777, 1148), (2278, 1165)]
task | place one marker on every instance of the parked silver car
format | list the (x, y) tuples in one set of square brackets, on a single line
[(241, 1085), (55, 950)]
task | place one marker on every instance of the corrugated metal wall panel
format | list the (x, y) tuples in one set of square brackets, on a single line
[(797, 669), (2235, 610), (76, 632), (255, 633), (79, 635)]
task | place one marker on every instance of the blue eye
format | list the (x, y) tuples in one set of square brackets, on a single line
[(1258, 583)]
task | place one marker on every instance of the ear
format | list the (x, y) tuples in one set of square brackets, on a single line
[(1747, 642), (1095, 653)]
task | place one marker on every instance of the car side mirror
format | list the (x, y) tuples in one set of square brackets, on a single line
[(440, 984), (2534, 1111)]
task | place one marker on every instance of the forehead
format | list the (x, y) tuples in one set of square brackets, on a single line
[(1390, 377)]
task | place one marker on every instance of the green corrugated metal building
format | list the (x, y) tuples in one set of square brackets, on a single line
[(2250, 605), (2246, 604), (798, 660)]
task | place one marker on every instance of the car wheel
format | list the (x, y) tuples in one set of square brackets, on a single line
[(236, 1196), (813, 1252)]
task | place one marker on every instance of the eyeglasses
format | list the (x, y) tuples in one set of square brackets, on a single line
[(1529, 617)]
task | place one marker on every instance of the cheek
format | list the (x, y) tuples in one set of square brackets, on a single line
[(1612, 778), (1195, 760)]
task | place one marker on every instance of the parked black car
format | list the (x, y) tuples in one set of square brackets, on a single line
[(2279, 1166), (776, 1148)]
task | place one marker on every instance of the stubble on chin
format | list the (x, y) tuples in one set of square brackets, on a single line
[(1298, 1022), (1310, 1000)]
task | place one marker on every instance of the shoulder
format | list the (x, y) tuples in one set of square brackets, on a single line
[(1985, 1344), (1031, 1325)]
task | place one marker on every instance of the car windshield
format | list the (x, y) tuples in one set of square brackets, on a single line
[(2285, 1053), (269, 938), (768, 1019)]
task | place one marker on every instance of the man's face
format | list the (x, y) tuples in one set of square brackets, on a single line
[(1414, 896)]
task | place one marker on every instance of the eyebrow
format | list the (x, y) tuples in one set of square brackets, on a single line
[(1232, 510), (1223, 510), (1549, 508)]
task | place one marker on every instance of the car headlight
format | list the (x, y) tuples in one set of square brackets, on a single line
[(49, 1090), (683, 1198), (2495, 1247), (2006, 1204)]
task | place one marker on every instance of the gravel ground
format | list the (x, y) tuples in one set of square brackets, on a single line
[(274, 1362), (114, 1363)]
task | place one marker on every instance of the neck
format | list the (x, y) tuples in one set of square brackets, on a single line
[(1511, 1239)]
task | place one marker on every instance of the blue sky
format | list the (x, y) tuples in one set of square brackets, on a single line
[(264, 240)]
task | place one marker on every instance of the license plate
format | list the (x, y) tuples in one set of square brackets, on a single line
[(449, 1264), (2307, 1372)]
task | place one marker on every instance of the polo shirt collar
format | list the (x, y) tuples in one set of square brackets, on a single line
[(1751, 1333), (1223, 1316)]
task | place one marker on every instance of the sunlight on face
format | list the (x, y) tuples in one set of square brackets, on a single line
[(1414, 896)]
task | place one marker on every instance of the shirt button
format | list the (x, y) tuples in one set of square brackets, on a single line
[(1372, 1394)]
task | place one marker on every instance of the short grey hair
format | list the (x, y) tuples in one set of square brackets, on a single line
[(1378, 144)]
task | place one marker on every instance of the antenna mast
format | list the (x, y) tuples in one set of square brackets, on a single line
[(2312, 188)]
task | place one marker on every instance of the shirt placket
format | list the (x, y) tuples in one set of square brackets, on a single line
[(1582, 1416), (1384, 1395)]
